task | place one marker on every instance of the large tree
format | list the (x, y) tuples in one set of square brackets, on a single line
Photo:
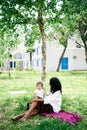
[(75, 11), (33, 12)]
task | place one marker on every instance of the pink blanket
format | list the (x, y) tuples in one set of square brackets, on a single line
[(71, 118)]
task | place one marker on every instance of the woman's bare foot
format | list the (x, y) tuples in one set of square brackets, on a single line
[(23, 119), (15, 118)]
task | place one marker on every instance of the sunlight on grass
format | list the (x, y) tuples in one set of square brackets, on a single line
[(18, 92)]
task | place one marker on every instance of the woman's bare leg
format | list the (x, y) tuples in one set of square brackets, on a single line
[(34, 112), (31, 111), (17, 117)]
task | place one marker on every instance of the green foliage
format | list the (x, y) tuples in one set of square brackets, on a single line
[(64, 35), (75, 11), (76, 18), (34, 35), (25, 12)]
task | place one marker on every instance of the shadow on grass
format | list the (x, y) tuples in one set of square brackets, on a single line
[(77, 73), (9, 78)]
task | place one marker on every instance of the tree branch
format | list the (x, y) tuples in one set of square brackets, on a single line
[(77, 42)]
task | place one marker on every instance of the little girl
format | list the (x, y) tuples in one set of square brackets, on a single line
[(39, 92)]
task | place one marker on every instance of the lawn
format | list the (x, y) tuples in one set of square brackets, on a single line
[(16, 91)]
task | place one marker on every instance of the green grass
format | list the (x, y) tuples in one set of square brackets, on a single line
[(74, 86)]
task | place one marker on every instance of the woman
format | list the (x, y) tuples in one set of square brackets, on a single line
[(51, 103)]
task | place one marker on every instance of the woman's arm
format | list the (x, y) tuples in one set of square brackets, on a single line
[(55, 97)]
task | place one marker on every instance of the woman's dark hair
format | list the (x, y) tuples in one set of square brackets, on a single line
[(55, 85)]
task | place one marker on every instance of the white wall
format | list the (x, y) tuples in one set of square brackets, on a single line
[(76, 59), (69, 54), (76, 56), (79, 63), (52, 55)]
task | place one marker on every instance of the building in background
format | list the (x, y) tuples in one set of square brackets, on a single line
[(18, 58), (74, 58)]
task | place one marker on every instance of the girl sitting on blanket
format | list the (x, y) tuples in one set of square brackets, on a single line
[(49, 104)]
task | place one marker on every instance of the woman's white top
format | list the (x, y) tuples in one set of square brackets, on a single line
[(39, 93), (55, 100)]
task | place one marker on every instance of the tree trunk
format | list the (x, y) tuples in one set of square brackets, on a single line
[(85, 44), (83, 34), (9, 73), (41, 27), (59, 63), (30, 59)]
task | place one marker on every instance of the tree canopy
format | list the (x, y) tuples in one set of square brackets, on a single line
[(75, 15), (40, 14), (24, 12)]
